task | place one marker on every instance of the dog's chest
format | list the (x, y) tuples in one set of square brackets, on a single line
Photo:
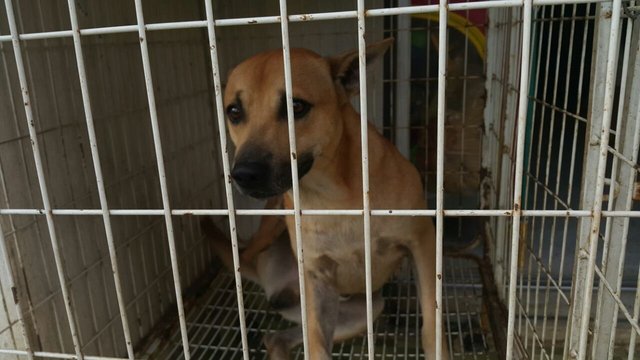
[(341, 238)]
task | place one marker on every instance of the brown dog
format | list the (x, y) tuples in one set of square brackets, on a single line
[(268, 261), (329, 167)]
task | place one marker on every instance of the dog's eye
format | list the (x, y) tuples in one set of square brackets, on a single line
[(235, 113), (300, 108)]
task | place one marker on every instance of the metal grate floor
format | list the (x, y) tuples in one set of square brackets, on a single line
[(214, 332)]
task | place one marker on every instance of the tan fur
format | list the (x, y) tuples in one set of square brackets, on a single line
[(334, 245)]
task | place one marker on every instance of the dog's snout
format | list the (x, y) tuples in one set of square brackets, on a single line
[(250, 175)]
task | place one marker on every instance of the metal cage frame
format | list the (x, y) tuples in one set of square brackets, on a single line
[(590, 214)]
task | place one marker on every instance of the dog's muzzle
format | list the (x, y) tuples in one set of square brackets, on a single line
[(251, 175), (258, 175)]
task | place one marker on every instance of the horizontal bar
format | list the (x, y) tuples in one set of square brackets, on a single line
[(337, 15), (319, 212), (53, 355)]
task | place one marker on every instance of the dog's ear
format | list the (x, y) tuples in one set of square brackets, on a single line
[(345, 68)]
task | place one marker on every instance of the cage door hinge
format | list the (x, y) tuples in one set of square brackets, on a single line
[(14, 292), (631, 11), (523, 243)]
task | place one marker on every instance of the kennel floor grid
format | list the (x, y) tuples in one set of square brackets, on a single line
[(214, 331)]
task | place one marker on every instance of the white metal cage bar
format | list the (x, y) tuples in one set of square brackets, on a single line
[(54, 355), (547, 191), (4, 259), (106, 217), (146, 64), (224, 152), (636, 315), (615, 237), (442, 77), (571, 170), (364, 151), (71, 316), (595, 213), (635, 148), (288, 85), (602, 28), (519, 166), (324, 212), (541, 267), (591, 252), (294, 18)]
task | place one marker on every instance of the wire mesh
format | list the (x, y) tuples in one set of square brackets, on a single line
[(568, 63), (214, 328)]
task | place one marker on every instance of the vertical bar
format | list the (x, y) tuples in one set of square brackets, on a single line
[(224, 153), (535, 177), (558, 179), (99, 178), (13, 228), (636, 311), (547, 174), (594, 233), (517, 187), (294, 171), (427, 101), (627, 137), (403, 83), (599, 57), (572, 167), (507, 111), (442, 82), (54, 99), (41, 181), (146, 64), (4, 259), (488, 155), (364, 142)]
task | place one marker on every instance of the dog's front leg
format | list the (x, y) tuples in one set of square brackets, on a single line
[(322, 307), (423, 252), (322, 315)]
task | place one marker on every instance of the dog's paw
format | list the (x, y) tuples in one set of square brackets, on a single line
[(277, 347), (284, 299)]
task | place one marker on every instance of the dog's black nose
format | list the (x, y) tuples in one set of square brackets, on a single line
[(250, 175)]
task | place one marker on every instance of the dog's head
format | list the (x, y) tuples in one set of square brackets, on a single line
[(256, 110)]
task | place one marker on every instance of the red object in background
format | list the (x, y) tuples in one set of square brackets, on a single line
[(476, 17)]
